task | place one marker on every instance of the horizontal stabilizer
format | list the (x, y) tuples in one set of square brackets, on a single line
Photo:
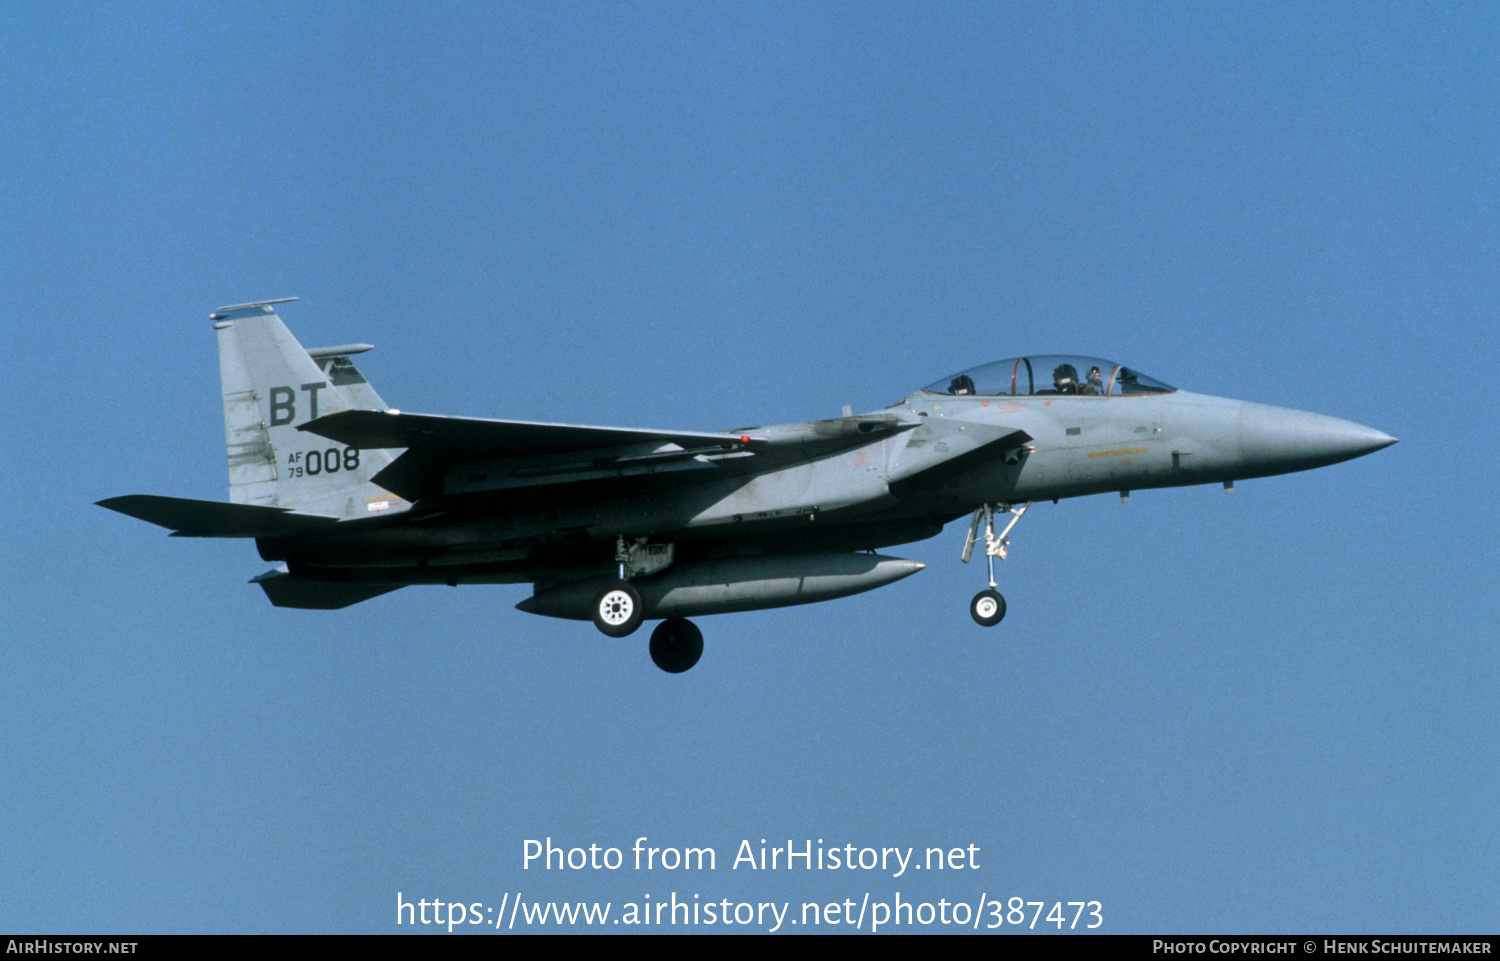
[(186, 517), (285, 590)]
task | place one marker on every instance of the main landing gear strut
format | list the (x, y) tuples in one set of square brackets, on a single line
[(988, 607), (676, 643)]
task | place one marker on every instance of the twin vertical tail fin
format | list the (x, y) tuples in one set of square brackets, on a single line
[(272, 385)]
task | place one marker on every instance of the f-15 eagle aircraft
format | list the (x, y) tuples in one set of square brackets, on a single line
[(616, 525)]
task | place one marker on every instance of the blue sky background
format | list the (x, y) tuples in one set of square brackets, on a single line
[(1267, 712)]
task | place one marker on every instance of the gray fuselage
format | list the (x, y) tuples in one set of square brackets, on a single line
[(936, 457)]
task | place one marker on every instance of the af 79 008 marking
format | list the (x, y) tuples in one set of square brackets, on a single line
[(314, 462)]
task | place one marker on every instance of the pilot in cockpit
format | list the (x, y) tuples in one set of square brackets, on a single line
[(1094, 387), (1065, 379)]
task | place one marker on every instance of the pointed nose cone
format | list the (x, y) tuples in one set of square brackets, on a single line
[(1274, 440)]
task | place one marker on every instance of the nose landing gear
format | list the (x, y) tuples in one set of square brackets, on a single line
[(988, 606)]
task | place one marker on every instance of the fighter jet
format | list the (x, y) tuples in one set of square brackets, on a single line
[(352, 499)]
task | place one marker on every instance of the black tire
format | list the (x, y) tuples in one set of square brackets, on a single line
[(617, 609), (676, 645), (987, 608)]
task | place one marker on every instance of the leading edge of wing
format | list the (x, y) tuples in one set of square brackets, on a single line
[(470, 438)]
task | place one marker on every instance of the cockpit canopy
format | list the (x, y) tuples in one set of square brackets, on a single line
[(1055, 374)]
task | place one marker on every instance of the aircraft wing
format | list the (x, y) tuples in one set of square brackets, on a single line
[(477, 438), (531, 454)]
